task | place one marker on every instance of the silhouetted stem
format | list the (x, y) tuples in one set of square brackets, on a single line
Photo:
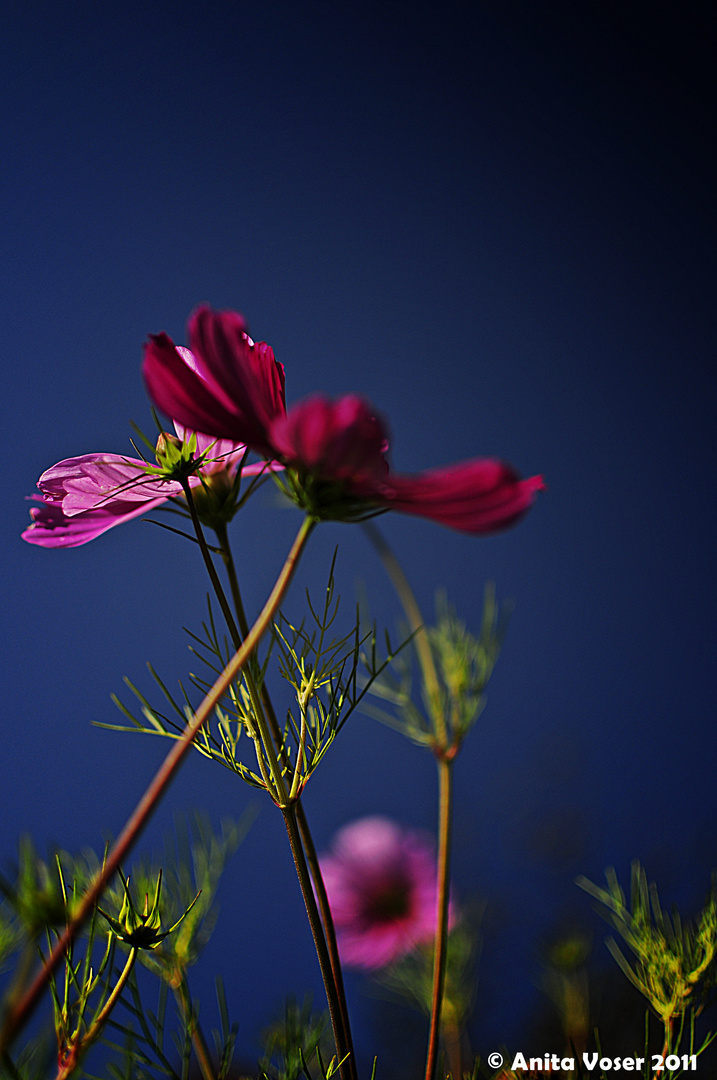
[(445, 807), (274, 781), (445, 750), (317, 931), (201, 1049), (18, 1014), (328, 922), (211, 569), (307, 840)]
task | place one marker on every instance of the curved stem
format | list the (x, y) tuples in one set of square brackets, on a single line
[(18, 1014), (416, 625), (445, 807), (345, 1071)]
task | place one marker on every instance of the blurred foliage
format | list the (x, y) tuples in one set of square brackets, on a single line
[(674, 962), (463, 664)]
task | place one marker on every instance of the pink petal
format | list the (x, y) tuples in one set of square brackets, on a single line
[(179, 391), (246, 371), (371, 859), (229, 387), (52, 528), (85, 496), (341, 439), (102, 479), (480, 496)]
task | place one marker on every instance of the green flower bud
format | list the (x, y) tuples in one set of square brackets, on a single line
[(141, 930)]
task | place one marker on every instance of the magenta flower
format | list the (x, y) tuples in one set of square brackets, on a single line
[(85, 496), (381, 884), (224, 384), (345, 441), (336, 450)]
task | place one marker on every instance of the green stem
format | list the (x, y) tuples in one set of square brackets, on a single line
[(211, 569), (72, 1058), (445, 749), (18, 1015), (228, 559), (342, 1050), (445, 808), (275, 782), (190, 1019), (307, 840), (416, 625), (329, 929)]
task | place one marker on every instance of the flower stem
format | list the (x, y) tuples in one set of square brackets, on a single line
[(445, 749), (445, 808), (306, 839), (222, 536), (345, 1069), (274, 781), (72, 1058), (211, 569), (329, 929), (667, 1046), (416, 625), (199, 1043), (18, 1013)]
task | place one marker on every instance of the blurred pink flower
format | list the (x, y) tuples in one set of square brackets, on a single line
[(381, 884), (346, 441), (85, 496), (224, 384)]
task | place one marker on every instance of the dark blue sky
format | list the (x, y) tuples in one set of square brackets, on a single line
[(498, 223)]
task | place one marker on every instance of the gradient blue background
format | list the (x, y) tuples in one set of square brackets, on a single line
[(497, 221)]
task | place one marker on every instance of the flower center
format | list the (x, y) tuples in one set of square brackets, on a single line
[(388, 903)]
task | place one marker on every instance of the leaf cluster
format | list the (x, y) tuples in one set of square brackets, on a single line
[(95, 976), (150, 1044), (410, 978), (294, 1042), (463, 665), (193, 862), (674, 962), (329, 675)]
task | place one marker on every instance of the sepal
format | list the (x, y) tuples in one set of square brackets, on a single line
[(141, 929)]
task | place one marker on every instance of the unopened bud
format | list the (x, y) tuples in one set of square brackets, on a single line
[(165, 440)]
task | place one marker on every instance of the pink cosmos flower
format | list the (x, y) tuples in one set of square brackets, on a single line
[(381, 884), (337, 449), (224, 384), (345, 440), (85, 496)]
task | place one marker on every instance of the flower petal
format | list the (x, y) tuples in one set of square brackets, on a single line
[(336, 440), (102, 479), (231, 387), (381, 884), (52, 528), (480, 496), (181, 392)]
